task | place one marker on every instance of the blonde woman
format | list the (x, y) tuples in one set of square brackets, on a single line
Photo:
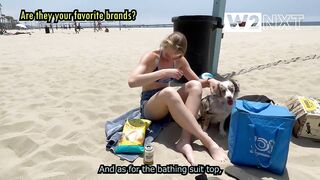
[(154, 72)]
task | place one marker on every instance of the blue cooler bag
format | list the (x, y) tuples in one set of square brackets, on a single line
[(259, 135)]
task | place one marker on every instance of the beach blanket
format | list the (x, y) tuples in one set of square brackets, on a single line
[(113, 131)]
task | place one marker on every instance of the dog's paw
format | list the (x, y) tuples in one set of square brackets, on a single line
[(205, 127), (204, 123), (222, 133)]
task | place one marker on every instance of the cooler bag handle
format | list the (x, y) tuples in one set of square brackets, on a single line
[(255, 106), (257, 152)]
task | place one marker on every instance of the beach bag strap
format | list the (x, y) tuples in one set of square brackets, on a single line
[(263, 148), (255, 107)]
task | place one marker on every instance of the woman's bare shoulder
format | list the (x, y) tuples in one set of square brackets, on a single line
[(182, 62), (150, 57)]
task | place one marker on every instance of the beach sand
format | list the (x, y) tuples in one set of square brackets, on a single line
[(58, 90)]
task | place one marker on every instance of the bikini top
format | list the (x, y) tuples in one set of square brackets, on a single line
[(163, 80)]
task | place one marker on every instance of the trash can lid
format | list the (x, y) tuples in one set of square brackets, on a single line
[(198, 18)]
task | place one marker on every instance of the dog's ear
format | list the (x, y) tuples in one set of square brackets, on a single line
[(217, 90), (236, 85)]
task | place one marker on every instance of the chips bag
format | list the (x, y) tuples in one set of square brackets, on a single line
[(133, 135)]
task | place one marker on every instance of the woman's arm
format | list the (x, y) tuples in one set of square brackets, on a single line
[(190, 75), (140, 77)]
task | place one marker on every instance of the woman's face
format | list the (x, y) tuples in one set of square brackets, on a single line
[(171, 54)]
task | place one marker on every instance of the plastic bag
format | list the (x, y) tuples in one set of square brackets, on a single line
[(133, 135)]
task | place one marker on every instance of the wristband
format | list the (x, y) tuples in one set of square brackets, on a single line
[(206, 75)]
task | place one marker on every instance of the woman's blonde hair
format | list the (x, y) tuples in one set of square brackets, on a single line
[(177, 41)]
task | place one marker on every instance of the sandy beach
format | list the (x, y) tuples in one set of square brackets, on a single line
[(58, 90)]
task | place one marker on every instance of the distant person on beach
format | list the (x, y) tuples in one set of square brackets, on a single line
[(79, 27), (51, 27), (159, 101), (99, 26), (76, 27), (2, 31), (94, 26)]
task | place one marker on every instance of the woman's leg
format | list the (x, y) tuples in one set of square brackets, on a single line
[(191, 94), (169, 100)]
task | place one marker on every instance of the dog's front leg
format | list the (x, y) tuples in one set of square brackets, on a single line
[(222, 132), (205, 123)]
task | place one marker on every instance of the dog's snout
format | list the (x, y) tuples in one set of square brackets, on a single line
[(229, 100)]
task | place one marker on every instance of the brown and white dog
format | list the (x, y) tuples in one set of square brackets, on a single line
[(217, 106)]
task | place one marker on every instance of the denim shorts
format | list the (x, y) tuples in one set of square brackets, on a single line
[(145, 96)]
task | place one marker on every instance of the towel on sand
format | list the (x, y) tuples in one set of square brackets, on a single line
[(113, 131)]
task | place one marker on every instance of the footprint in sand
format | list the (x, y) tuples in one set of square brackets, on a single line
[(77, 120), (65, 168), (16, 127), (55, 93), (38, 157), (89, 114), (90, 98), (117, 108), (47, 116), (10, 69), (35, 105), (73, 136), (103, 115), (66, 104), (71, 149), (55, 131), (3, 114), (21, 145)]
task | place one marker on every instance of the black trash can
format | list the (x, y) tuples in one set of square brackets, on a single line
[(47, 30), (198, 30)]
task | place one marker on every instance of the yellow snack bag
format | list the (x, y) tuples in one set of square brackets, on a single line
[(133, 135)]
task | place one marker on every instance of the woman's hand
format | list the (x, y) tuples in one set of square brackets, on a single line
[(172, 73), (213, 85)]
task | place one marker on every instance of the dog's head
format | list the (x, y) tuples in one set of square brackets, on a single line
[(228, 90)]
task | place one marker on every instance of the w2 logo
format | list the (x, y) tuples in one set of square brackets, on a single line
[(242, 22)]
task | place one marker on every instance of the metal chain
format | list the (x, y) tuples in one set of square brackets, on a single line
[(269, 65)]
